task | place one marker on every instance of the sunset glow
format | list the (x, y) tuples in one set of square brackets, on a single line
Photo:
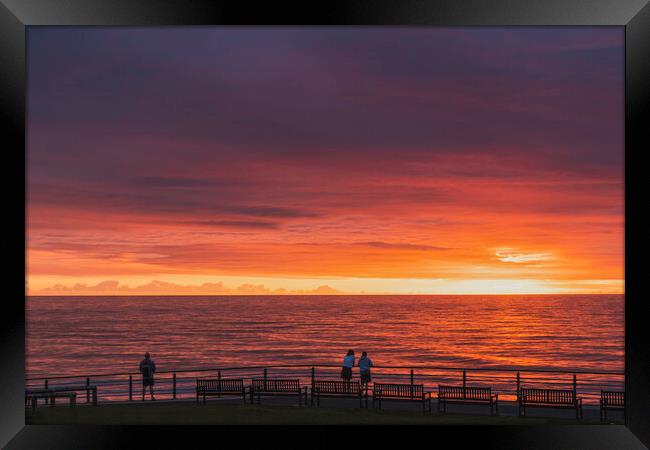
[(325, 161)]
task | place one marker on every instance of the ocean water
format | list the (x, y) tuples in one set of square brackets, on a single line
[(95, 335)]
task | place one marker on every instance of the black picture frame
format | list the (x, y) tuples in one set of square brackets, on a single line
[(16, 15)]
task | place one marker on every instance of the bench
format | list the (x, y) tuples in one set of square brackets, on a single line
[(406, 392), (549, 398), (611, 400), (32, 396), (338, 389), (467, 395), (216, 386), (91, 391), (277, 387)]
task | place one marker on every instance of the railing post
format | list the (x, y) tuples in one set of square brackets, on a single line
[(464, 382), (412, 377), (174, 386), (265, 372), (219, 375), (313, 376), (575, 385), (518, 385), (87, 390), (130, 387), (47, 400)]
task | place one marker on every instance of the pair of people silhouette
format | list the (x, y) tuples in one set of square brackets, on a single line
[(365, 363)]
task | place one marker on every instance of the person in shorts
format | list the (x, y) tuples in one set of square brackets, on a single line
[(348, 364), (147, 369), (365, 364)]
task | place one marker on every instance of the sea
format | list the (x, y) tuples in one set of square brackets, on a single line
[(98, 335)]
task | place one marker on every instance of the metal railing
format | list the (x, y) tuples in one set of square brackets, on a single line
[(507, 382)]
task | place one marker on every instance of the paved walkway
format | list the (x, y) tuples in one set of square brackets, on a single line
[(591, 413)]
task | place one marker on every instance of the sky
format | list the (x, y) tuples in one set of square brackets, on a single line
[(326, 160)]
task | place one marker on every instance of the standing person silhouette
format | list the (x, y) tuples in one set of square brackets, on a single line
[(365, 364), (147, 368), (348, 364)]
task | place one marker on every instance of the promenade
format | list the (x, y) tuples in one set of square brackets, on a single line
[(119, 397), (282, 411)]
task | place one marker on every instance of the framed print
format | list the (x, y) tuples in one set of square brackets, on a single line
[(354, 214)]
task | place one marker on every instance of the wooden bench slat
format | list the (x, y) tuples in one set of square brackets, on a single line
[(391, 390), (276, 385), (548, 396), (613, 398), (467, 392), (337, 387), (222, 385)]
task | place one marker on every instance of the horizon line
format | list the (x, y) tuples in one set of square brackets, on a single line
[(319, 295)]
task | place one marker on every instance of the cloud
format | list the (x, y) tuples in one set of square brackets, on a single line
[(388, 245), (324, 289), (177, 182), (512, 256), (237, 224), (156, 287), (270, 211)]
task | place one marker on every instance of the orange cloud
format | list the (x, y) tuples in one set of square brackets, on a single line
[(113, 287), (394, 173)]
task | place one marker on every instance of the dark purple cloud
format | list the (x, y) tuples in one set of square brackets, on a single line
[(268, 128), (346, 92)]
